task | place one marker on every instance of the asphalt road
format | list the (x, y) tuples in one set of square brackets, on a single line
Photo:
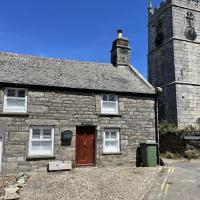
[(179, 180)]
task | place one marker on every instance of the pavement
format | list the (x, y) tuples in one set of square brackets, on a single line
[(179, 180)]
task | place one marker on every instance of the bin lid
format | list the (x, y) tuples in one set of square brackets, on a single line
[(153, 142)]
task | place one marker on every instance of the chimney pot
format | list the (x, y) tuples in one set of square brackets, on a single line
[(120, 33)]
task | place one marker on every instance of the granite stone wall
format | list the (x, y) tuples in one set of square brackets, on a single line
[(188, 105), (168, 104), (67, 110)]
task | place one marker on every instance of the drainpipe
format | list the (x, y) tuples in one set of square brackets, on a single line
[(158, 92)]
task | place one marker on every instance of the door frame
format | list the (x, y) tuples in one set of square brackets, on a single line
[(2, 148), (95, 147)]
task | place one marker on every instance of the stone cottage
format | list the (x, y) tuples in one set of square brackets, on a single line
[(92, 114)]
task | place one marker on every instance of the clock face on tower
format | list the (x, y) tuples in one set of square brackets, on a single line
[(190, 33)]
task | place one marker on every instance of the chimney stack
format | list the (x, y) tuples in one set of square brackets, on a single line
[(120, 53)]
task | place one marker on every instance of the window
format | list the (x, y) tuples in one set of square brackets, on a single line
[(15, 100), (111, 141), (109, 104), (190, 18), (41, 141)]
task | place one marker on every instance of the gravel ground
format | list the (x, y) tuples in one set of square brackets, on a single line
[(4, 182), (90, 183)]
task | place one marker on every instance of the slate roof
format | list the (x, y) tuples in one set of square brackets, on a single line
[(30, 70)]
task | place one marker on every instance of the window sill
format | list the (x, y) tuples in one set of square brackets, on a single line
[(14, 114), (109, 115), (109, 154), (37, 158)]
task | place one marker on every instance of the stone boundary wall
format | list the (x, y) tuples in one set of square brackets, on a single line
[(176, 143)]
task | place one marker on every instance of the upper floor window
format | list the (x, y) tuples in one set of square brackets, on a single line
[(109, 104), (15, 100)]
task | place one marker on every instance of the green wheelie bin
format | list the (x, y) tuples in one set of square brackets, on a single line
[(149, 153)]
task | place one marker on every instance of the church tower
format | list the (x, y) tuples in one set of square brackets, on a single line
[(174, 59)]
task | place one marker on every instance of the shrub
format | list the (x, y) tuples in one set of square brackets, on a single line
[(172, 141), (191, 154), (191, 128), (169, 155), (165, 128)]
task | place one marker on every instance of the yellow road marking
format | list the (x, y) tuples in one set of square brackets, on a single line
[(165, 185), (164, 182), (173, 169), (169, 170), (166, 190)]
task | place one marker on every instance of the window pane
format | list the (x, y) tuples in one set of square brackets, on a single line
[(21, 93), (46, 145), (15, 104), (35, 145), (107, 143), (36, 134), (113, 146), (11, 93), (113, 135), (105, 97), (42, 146), (46, 133), (107, 135), (109, 107), (111, 98)]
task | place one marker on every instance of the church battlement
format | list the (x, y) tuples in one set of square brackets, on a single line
[(156, 11)]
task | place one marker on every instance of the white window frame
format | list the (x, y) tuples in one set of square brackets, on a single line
[(6, 108), (116, 106), (41, 153), (107, 151)]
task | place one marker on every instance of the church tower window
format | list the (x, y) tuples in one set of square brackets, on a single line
[(190, 18), (159, 33)]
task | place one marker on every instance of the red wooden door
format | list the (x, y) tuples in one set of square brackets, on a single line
[(85, 146)]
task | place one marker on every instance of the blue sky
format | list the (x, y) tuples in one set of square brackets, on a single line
[(74, 29)]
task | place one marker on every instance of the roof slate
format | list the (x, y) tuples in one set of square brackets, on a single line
[(30, 70)]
